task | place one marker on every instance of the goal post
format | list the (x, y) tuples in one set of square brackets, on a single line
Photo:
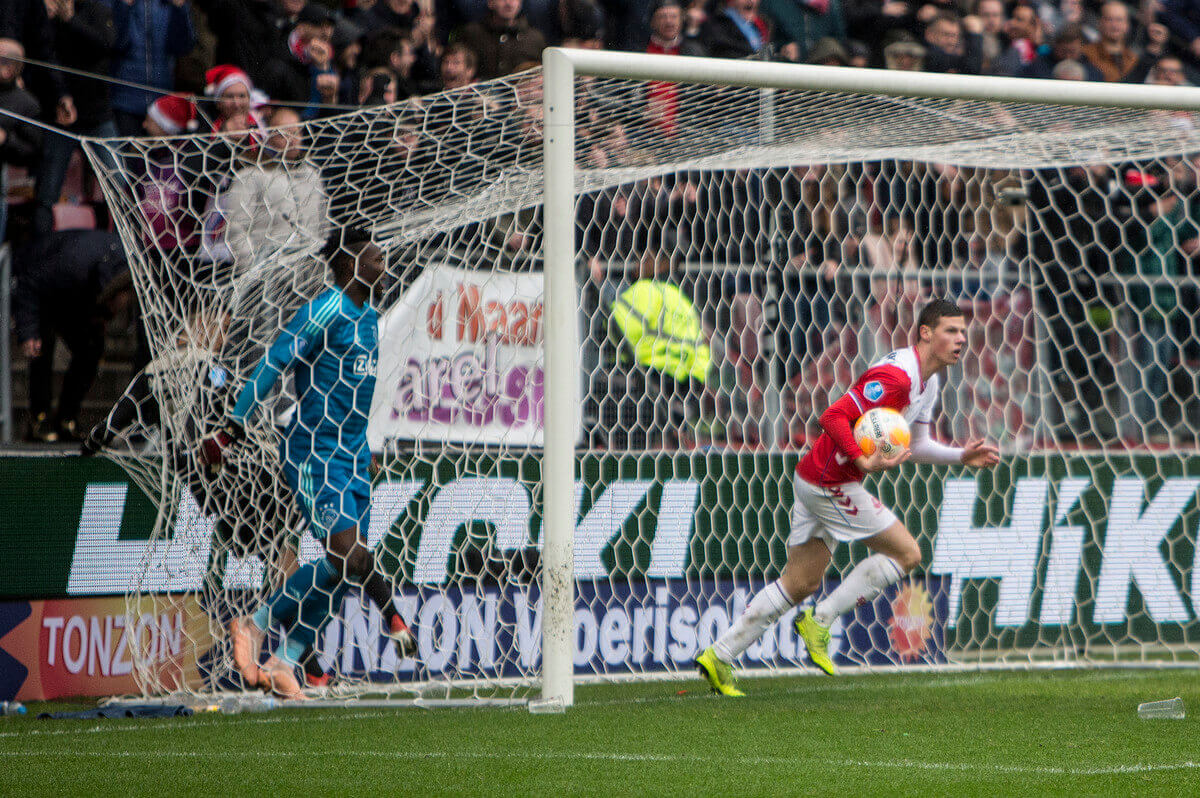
[(551, 510), (562, 387), (562, 68)]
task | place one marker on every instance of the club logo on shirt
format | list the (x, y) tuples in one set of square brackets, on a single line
[(873, 390), (327, 514)]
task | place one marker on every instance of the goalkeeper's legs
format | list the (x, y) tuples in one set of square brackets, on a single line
[(296, 648), (357, 564), (316, 580)]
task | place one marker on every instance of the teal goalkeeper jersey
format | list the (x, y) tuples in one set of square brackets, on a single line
[(332, 347)]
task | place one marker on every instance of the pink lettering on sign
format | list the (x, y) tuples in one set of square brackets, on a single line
[(470, 388)]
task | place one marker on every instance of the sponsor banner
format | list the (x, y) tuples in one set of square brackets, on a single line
[(460, 360), (88, 647), (621, 628), (1103, 545)]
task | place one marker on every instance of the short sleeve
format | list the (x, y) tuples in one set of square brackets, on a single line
[(882, 386)]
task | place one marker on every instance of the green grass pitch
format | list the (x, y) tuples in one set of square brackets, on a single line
[(961, 734)]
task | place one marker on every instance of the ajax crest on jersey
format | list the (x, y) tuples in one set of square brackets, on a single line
[(881, 429), (873, 390), (328, 514)]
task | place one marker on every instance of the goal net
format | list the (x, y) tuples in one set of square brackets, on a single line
[(790, 235)]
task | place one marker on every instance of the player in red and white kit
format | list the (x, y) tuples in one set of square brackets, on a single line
[(831, 505)]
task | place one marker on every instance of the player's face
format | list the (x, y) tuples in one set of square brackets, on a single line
[(369, 265), (948, 338)]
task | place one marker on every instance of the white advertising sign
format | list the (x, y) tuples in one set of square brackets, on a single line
[(460, 360)]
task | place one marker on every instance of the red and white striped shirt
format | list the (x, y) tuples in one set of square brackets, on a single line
[(895, 382)]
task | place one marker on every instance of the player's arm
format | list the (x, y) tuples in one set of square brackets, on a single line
[(136, 404), (882, 386), (297, 339), (976, 454), (838, 422)]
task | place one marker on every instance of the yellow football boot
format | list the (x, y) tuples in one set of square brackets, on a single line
[(719, 674)]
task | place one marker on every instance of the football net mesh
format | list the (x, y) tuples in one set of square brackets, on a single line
[(805, 229)]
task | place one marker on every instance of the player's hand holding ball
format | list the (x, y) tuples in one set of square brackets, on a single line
[(884, 436), (216, 447)]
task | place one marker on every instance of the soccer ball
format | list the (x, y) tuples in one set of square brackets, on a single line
[(881, 428)]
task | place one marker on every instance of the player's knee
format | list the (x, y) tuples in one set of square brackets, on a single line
[(909, 558), (798, 584), (359, 563)]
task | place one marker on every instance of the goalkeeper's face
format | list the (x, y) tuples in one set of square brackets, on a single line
[(369, 265)]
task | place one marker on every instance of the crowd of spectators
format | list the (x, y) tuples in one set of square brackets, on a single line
[(237, 68)]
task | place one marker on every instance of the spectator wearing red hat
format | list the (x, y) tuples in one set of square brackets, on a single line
[(170, 115), (164, 198), (235, 100), (239, 130)]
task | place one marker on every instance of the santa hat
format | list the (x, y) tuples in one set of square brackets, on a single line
[(220, 78), (173, 113)]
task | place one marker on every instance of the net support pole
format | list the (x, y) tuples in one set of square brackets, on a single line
[(6, 430), (561, 381)]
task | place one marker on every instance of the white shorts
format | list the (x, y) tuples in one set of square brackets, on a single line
[(844, 513)]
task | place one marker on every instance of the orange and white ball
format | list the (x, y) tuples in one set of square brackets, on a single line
[(882, 429)]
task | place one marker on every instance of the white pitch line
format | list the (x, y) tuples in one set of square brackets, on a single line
[(892, 764), (185, 724), (815, 686)]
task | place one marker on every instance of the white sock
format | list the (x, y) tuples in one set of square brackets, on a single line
[(864, 583), (767, 607)]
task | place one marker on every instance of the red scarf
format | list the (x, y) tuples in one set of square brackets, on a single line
[(664, 96)]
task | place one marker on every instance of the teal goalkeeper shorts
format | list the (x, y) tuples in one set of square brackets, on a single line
[(334, 495)]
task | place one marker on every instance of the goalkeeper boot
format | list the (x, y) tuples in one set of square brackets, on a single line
[(719, 674), (280, 678), (816, 640), (314, 675), (402, 636), (245, 641)]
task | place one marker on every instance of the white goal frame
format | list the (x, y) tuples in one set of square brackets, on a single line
[(561, 397)]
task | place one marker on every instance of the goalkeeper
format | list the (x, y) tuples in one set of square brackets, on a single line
[(331, 346)]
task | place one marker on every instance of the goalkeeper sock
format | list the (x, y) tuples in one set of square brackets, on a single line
[(292, 647), (767, 607), (864, 583), (379, 590), (284, 606), (315, 609)]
